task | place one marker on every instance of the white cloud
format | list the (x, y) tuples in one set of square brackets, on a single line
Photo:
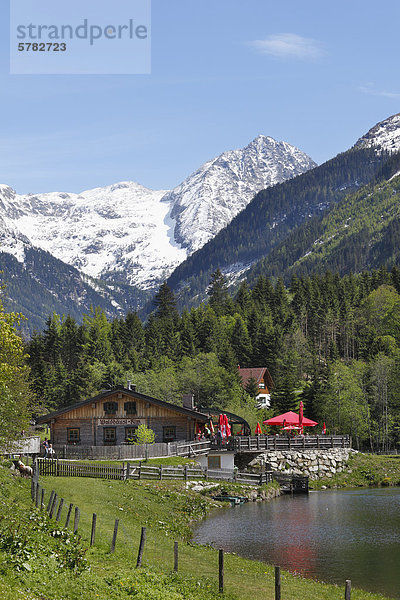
[(289, 45), (371, 91)]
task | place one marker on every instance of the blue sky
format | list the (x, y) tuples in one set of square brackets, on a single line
[(317, 74)]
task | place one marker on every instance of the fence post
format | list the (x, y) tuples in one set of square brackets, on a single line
[(76, 519), (114, 537), (140, 469), (347, 591), (68, 515), (50, 500), (277, 583), (128, 470), (93, 533), (176, 557), (53, 506), (58, 516), (160, 472), (37, 495), (186, 472), (141, 547), (221, 571)]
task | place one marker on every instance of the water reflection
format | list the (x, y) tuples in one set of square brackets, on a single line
[(332, 536)]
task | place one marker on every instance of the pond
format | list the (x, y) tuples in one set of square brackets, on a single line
[(330, 536)]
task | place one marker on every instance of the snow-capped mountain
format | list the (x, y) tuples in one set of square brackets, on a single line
[(384, 135), (122, 227), (209, 198), (126, 232)]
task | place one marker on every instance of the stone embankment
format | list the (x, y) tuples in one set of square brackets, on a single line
[(252, 493), (312, 463)]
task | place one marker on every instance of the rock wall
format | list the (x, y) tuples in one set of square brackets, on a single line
[(312, 463)]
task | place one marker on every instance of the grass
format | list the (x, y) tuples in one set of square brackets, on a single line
[(364, 470), (168, 511)]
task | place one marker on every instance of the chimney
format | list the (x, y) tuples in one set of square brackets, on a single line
[(128, 384), (188, 401)]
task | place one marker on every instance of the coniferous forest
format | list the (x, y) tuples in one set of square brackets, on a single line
[(332, 341)]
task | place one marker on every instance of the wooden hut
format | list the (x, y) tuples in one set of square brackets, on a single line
[(112, 417)]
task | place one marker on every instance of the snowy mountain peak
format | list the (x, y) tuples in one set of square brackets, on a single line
[(126, 232), (209, 198), (384, 135)]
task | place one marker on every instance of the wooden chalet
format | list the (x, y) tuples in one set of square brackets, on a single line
[(112, 417), (264, 382)]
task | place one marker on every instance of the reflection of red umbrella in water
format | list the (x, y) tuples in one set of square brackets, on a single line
[(301, 416), (258, 429)]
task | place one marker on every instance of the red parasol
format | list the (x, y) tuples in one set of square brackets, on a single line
[(258, 429), (301, 416), (324, 429), (289, 418), (221, 426), (227, 427)]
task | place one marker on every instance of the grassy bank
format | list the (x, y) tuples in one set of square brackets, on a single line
[(40, 561), (364, 470)]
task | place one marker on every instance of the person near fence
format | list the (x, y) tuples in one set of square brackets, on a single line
[(50, 452), (45, 445)]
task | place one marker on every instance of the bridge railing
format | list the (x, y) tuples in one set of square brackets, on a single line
[(282, 442)]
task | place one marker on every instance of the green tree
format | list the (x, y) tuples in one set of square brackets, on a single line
[(15, 394), (144, 435), (218, 293)]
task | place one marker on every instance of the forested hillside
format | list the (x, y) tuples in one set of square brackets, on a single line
[(43, 284), (329, 340), (272, 215), (360, 232)]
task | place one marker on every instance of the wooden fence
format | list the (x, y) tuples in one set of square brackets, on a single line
[(127, 451), (260, 443), (67, 468), (55, 509)]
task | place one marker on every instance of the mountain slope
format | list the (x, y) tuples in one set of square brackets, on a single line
[(208, 200), (42, 284), (279, 221), (383, 136), (272, 215), (362, 232), (130, 234)]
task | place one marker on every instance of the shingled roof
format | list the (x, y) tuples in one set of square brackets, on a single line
[(128, 392), (257, 373)]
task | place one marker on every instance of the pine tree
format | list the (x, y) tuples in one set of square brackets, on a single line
[(218, 293)]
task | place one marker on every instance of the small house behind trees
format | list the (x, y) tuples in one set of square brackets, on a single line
[(259, 383), (112, 417)]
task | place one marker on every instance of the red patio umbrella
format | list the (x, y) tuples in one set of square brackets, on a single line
[(258, 429), (301, 416), (221, 426), (289, 418), (227, 427)]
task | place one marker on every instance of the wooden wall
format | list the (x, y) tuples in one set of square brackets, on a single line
[(91, 420)]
